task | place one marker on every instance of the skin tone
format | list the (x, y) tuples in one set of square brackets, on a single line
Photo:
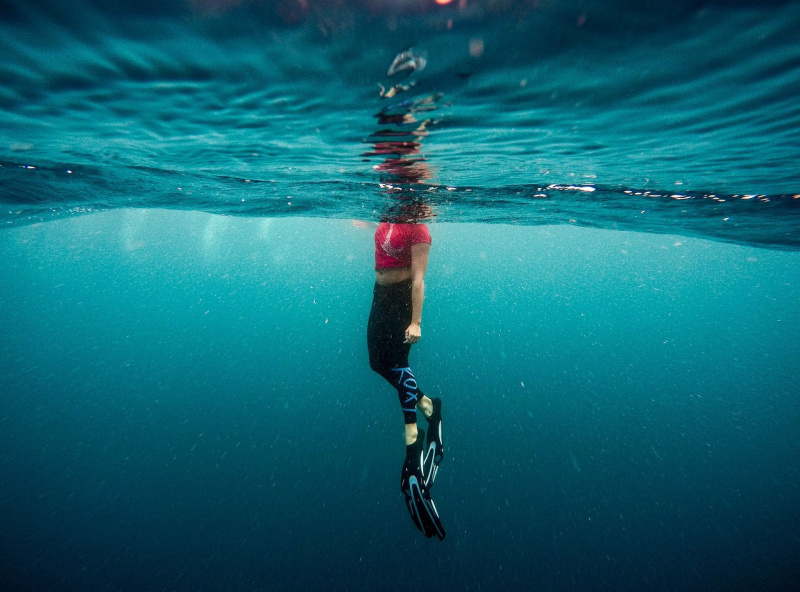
[(416, 273)]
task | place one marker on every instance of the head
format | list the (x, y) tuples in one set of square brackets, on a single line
[(408, 211)]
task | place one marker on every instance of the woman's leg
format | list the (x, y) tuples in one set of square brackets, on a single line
[(402, 378), (388, 351), (426, 405)]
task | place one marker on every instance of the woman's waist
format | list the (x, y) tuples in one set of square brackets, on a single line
[(388, 276)]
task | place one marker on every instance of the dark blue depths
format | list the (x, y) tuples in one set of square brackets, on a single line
[(186, 404)]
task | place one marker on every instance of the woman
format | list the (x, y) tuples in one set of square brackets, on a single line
[(401, 258)]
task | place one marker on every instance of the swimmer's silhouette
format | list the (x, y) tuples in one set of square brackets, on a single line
[(402, 246)]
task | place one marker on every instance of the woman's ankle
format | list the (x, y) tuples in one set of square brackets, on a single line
[(426, 406), (411, 433)]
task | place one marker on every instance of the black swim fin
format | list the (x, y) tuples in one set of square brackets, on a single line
[(434, 451), (418, 500)]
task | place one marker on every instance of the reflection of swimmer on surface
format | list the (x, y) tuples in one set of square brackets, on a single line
[(400, 142)]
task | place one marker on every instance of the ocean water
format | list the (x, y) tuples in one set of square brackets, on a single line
[(188, 192)]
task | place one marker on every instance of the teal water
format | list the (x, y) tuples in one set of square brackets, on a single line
[(188, 192), (187, 404)]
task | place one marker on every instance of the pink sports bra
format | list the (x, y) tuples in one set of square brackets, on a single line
[(393, 243)]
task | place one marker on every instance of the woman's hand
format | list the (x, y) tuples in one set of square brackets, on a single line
[(413, 333)]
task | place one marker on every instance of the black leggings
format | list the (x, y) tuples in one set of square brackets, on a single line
[(388, 353)]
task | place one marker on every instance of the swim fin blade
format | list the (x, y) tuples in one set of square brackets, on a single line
[(434, 452), (418, 500)]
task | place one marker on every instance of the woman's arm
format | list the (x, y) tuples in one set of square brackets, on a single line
[(419, 263)]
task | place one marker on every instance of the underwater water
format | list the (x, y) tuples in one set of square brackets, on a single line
[(188, 192)]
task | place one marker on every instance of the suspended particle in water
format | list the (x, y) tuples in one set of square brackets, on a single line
[(476, 47)]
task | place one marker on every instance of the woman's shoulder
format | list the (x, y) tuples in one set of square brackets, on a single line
[(421, 234)]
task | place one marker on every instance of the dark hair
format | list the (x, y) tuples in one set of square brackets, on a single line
[(407, 210)]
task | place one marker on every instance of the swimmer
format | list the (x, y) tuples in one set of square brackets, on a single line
[(395, 321)]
